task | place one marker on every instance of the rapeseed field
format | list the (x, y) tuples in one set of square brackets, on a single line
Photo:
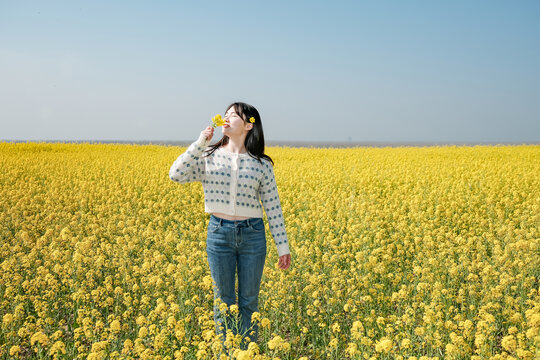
[(414, 253)]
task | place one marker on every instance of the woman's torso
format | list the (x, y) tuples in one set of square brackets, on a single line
[(246, 180)]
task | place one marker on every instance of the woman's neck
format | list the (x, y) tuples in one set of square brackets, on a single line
[(236, 145)]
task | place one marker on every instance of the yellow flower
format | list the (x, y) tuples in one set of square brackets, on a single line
[(509, 343), (141, 320), (383, 345), (180, 333), (253, 347), (352, 349), (285, 346), (217, 121), (252, 119), (243, 355), (58, 347), (115, 326), (255, 316), (275, 343), (451, 350), (531, 333), (7, 319), (57, 335), (406, 343), (40, 338), (14, 350), (533, 319), (201, 354), (222, 307), (265, 322), (128, 345), (143, 331)]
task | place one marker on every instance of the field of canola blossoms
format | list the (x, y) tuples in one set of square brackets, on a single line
[(397, 253)]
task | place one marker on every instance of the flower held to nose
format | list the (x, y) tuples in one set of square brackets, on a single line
[(217, 121)]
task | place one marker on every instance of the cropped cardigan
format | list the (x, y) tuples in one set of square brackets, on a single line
[(233, 184)]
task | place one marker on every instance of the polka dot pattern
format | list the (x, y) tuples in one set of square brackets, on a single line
[(234, 184)]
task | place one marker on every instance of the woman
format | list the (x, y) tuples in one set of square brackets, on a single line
[(235, 174)]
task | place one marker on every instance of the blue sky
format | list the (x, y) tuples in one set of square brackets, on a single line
[(316, 70)]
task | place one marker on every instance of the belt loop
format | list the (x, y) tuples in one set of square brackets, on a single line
[(249, 222), (220, 222)]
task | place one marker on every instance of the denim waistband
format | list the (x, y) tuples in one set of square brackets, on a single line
[(239, 223)]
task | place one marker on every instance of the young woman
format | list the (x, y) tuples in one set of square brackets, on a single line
[(236, 174)]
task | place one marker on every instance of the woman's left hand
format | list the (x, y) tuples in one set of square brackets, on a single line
[(284, 261)]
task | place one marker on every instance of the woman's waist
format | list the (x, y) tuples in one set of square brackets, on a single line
[(230, 217), (232, 211), (237, 223)]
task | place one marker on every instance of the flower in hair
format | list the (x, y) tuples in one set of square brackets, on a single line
[(252, 119)]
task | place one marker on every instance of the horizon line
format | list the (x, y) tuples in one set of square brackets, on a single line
[(287, 143)]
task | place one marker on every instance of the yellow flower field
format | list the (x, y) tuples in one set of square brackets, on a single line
[(397, 253)]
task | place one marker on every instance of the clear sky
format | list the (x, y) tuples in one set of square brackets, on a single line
[(315, 70)]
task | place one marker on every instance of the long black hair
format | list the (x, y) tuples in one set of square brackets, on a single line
[(254, 141)]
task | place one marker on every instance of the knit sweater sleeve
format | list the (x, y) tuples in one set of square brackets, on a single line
[(268, 193), (189, 166)]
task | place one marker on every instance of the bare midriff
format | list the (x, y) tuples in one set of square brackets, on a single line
[(230, 217)]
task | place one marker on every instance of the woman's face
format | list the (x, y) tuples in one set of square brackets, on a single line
[(234, 124)]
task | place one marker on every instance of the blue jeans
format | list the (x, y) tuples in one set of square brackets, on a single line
[(234, 246)]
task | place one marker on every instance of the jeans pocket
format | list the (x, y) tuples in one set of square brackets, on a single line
[(213, 226), (257, 226)]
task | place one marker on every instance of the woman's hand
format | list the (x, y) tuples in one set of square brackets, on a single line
[(208, 132), (284, 261)]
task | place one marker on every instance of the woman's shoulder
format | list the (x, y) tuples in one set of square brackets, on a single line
[(253, 163), (266, 165), (262, 161)]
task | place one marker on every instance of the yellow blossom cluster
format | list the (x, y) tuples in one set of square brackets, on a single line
[(401, 253), (217, 121)]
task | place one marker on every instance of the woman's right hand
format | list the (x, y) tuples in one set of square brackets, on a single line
[(284, 261), (208, 132)]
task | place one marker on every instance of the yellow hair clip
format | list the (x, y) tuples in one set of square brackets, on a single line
[(252, 119)]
